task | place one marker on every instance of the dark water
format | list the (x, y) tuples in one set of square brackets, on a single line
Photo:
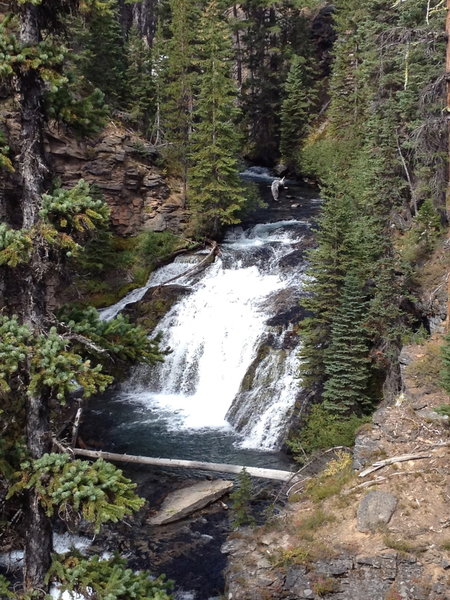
[(188, 551)]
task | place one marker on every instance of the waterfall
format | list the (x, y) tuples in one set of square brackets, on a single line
[(234, 359)]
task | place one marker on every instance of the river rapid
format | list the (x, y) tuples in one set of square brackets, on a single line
[(227, 390)]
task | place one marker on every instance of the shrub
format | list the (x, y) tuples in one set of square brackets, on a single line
[(326, 430)]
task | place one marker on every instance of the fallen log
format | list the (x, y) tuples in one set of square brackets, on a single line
[(187, 464), (390, 461)]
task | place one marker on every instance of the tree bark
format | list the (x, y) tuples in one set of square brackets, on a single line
[(34, 172), (447, 69)]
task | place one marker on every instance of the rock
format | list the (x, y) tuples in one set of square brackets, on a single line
[(375, 510), (335, 566), (431, 415), (181, 503)]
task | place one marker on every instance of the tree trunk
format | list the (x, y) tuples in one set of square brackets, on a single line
[(447, 69), (33, 171)]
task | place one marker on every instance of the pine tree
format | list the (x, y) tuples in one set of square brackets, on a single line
[(43, 359), (177, 105), (101, 53), (328, 264), (346, 359), (139, 82), (297, 108), (216, 194)]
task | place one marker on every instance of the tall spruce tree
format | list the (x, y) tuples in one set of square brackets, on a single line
[(328, 264), (216, 195), (43, 358), (101, 53), (178, 91), (346, 359), (140, 85), (297, 108)]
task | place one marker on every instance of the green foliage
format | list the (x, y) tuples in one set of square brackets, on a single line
[(445, 357), (216, 193), (178, 75), (325, 430), (118, 337), (331, 479), (84, 112), (297, 108), (5, 588), (139, 82), (240, 498), (107, 579), (74, 209), (443, 409), (52, 366), (45, 57), (15, 246), (101, 56), (346, 359), (97, 492), (5, 161)]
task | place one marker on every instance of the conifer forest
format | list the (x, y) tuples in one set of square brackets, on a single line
[(268, 181)]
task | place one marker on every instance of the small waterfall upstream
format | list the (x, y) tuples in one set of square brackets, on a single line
[(233, 366)]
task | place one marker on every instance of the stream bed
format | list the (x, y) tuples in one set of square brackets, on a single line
[(225, 393)]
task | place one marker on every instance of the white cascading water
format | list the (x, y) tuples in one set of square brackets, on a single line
[(216, 333)]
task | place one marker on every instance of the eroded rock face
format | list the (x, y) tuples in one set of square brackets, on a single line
[(122, 167)]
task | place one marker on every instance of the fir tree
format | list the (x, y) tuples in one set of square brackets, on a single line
[(139, 81), (328, 264), (101, 53), (42, 359), (216, 193), (346, 359), (296, 108), (179, 74)]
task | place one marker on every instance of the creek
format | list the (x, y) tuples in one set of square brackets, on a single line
[(227, 390)]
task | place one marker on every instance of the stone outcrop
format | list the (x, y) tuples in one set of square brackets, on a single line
[(122, 166), (184, 502), (375, 510)]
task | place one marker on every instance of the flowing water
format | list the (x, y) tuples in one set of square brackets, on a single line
[(226, 391)]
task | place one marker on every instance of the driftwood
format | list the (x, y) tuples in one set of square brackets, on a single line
[(378, 480), (389, 461), (187, 464), (76, 426), (209, 258)]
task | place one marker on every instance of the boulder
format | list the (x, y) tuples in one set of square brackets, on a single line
[(181, 503), (375, 510)]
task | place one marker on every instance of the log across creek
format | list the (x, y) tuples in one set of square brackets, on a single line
[(274, 474)]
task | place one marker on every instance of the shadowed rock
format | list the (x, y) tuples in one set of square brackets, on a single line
[(181, 503)]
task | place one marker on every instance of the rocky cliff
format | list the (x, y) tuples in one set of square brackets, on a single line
[(122, 166), (344, 535)]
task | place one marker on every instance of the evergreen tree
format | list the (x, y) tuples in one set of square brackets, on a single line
[(216, 194), (101, 53), (177, 106), (139, 82), (346, 359), (296, 109), (43, 359), (328, 264)]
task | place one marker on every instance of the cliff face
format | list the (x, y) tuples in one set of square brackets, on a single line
[(123, 169), (122, 166)]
